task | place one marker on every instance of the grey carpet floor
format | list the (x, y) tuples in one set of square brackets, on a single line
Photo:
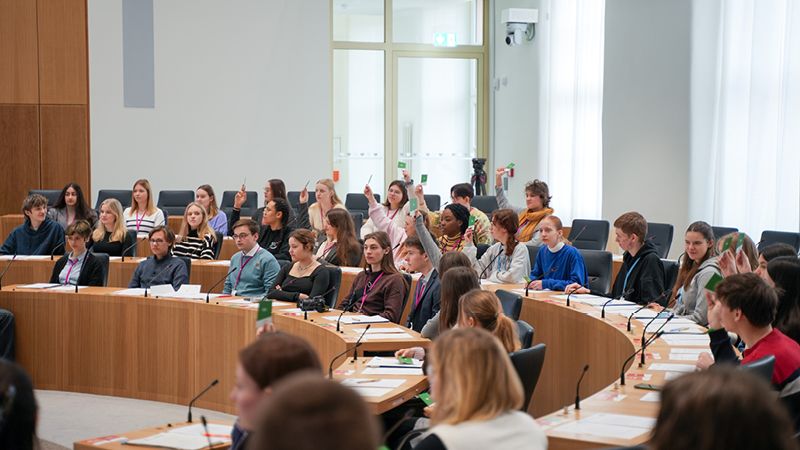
[(66, 417)]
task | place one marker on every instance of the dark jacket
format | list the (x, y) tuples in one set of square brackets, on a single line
[(24, 240), (92, 271), (275, 242), (646, 276), (353, 258), (237, 214), (428, 305), (154, 272)]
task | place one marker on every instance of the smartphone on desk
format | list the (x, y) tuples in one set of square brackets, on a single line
[(648, 387)]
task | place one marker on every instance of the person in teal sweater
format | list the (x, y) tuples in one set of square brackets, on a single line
[(253, 269), (39, 235), (558, 264)]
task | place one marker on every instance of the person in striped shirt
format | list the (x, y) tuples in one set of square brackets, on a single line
[(142, 216), (196, 238)]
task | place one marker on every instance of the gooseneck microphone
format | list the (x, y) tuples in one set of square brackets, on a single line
[(191, 403), (208, 294), (52, 253), (150, 283), (552, 269), (346, 308), (8, 266), (630, 358), (623, 295), (658, 332), (483, 272), (663, 294), (135, 242), (578, 387), (347, 350)]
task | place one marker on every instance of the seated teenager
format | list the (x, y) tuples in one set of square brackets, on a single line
[(217, 219), (306, 399), (142, 216), (110, 235), (275, 229), (559, 264), (196, 239), (784, 273), (275, 189), (456, 281), (460, 194), (698, 265), (267, 360), (737, 260), (313, 217), (20, 411), (723, 408), (162, 267), (641, 276), (38, 235), (380, 288), (771, 252), (255, 268), (71, 206), (305, 277), (79, 267), (746, 305), (506, 261), (340, 247), (427, 293), (478, 396), (395, 208), (453, 224), (537, 207)]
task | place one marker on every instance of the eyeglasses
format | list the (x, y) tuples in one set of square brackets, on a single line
[(157, 241), (241, 236)]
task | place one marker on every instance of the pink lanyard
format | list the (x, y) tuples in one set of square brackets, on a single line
[(328, 248), (69, 271), (393, 215), (367, 291), (138, 220), (242, 266)]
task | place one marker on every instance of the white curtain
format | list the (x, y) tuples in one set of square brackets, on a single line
[(746, 115), (572, 34)]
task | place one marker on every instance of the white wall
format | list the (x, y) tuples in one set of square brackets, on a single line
[(242, 89), (646, 109)]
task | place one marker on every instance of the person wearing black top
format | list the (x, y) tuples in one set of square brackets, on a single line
[(426, 297), (110, 235), (305, 277), (274, 231), (79, 267)]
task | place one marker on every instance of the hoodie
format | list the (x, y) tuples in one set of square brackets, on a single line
[(645, 275), (24, 240), (693, 299)]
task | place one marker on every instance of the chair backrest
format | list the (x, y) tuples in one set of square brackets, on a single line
[(761, 368), (671, 267), (218, 244), (769, 237), (358, 221), (174, 202), (598, 267), (103, 258), (525, 331), (533, 251), (660, 234), (485, 203), (294, 198), (357, 203), (409, 281), (188, 261), (433, 201), (248, 208), (722, 231), (481, 249), (334, 282), (50, 194), (131, 238), (511, 303), (123, 195), (528, 363), (589, 234)]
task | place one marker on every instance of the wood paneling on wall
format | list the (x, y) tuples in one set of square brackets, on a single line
[(44, 97), (19, 78)]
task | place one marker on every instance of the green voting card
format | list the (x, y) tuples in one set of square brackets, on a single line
[(412, 204), (401, 165), (713, 282), (264, 313), (727, 244), (423, 179), (472, 221), (405, 360), (510, 166), (740, 242), (426, 398)]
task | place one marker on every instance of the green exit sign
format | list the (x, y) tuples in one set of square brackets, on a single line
[(444, 39)]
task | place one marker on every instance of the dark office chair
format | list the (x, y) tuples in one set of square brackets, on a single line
[(528, 363), (218, 244), (769, 237), (598, 266), (188, 261), (334, 282), (660, 234), (533, 251), (103, 258), (670, 272), (433, 201), (485, 203), (123, 195), (174, 202), (761, 368), (722, 231), (357, 203), (358, 222), (481, 249), (294, 198), (511, 303), (525, 331), (248, 208), (589, 234), (50, 194)]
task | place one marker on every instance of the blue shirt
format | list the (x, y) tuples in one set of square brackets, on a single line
[(254, 273), (72, 269), (560, 269)]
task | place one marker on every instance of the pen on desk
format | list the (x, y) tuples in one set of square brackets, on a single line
[(366, 381)]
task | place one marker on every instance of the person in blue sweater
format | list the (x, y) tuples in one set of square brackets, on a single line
[(253, 270), (39, 235), (561, 264)]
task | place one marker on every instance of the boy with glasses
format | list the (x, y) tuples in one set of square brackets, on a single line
[(253, 270), (162, 267)]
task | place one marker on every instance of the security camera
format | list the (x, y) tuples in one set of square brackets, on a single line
[(520, 23)]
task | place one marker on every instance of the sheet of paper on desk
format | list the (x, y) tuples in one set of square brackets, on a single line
[(691, 340), (353, 270), (39, 286), (238, 301), (392, 371), (66, 288), (36, 257), (587, 299), (487, 282), (162, 290), (646, 423), (225, 263), (371, 391), (215, 429), (654, 397), (669, 376), (291, 310), (177, 441), (695, 351), (386, 330), (384, 336), (530, 291), (360, 318), (684, 356), (601, 430), (372, 382), (667, 367), (381, 361), (131, 291)]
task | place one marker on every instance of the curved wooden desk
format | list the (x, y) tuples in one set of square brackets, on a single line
[(160, 349)]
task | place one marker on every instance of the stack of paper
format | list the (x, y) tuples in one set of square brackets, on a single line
[(373, 387), (39, 286), (620, 426), (358, 318), (193, 437), (376, 334), (392, 366)]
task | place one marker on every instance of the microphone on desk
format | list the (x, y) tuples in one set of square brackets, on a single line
[(578, 388), (344, 310), (52, 253), (630, 358), (666, 293), (552, 269), (358, 343), (658, 332), (135, 242), (651, 321), (483, 272), (347, 350), (154, 277), (213, 383), (8, 266), (208, 294), (623, 295)]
